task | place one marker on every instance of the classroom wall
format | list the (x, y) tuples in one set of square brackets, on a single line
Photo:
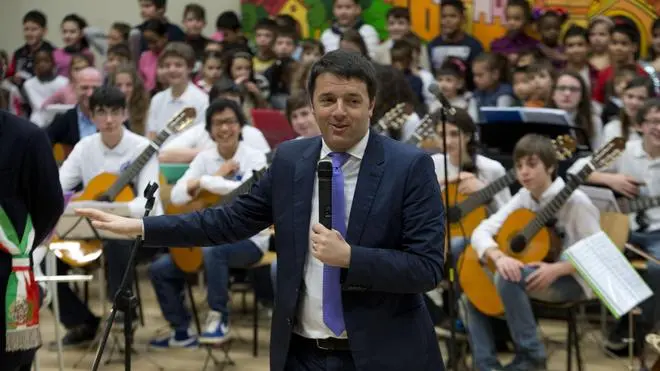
[(99, 13)]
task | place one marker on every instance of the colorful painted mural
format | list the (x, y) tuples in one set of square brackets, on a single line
[(484, 21)]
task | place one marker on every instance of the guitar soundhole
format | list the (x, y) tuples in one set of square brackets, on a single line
[(454, 214), (518, 243), (103, 197)]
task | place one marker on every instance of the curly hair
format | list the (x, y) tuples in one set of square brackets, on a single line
[(138, 104)]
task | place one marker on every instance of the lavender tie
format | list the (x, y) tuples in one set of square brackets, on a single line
[(333, 312)]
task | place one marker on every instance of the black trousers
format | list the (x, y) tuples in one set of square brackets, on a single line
[(17, 361), (304, 356)]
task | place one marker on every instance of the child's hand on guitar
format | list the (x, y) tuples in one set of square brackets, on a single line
[(227, 168), (509, 268), (544, 275), (624, 184), (469, 183)]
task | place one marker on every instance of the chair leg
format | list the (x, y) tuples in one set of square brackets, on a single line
[(193, 308), (576, 343), (569, 342), (255, 323), (139, 297)]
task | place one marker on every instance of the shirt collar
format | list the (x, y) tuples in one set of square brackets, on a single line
[(552, 191), (82, 116), (121, 148), (237, 155), (171, 98), (356, 151)]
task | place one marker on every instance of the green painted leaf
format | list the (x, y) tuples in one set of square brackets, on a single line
[(376, 15)]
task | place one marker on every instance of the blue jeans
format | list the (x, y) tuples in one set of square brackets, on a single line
[(458, 246), (520, 319), (168, 280), (650, 243)]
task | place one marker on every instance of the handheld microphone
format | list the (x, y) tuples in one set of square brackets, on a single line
[(324, 170), (444, 102)]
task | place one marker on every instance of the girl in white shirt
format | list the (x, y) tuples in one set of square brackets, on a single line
[(636, 92), (42, 86)]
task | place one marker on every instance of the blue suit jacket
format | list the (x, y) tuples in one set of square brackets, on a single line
[(396, 233)]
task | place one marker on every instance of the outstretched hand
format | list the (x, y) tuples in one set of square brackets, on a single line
[(112, 223)]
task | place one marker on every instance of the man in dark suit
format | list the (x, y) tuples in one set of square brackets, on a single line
[(30, 186), (349, 298)]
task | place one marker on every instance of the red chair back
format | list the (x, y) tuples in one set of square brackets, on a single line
[(274, 125)]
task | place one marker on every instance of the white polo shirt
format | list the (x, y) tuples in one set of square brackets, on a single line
[(164, 106)]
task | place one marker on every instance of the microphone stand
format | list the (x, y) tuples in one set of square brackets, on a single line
[(124, 299), (449, 258)]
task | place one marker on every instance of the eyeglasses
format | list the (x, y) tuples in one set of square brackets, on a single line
[(570, 89), (225, 122)]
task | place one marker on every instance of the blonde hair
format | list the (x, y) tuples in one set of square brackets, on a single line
[(138, 104)]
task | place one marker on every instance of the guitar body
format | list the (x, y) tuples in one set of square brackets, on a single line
[(190, 259), (477, 281), (468, 222), (81, 253)]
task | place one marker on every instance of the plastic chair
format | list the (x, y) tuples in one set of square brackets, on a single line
[(274, 125)]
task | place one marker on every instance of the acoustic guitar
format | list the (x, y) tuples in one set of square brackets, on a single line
[(526, 237), (190, 259), (394, 119), (115, 188), (467, 211)]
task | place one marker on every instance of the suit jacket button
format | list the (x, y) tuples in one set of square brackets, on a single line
[(288, 321)]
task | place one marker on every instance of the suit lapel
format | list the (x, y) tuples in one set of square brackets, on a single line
[(371, 172), (303, 186)]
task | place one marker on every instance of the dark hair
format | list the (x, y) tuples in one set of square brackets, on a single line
[(539, 145), (79, 56), (156, 26), (120, 50), (354, 37), (524, 4), (655, 26), (398, 12), (159, 4), (584, 117), (619, 72), (456, 4), (36, 16), (197, 11), (625, 26), (542, 65), (287, 32), (229, 62), (495, 62), (649, 105), (345, 64), (356, 2), (266, 24), (212, 54), (402, 52), (637, 82), (453, 66), (286, 20), (123, 28), (107, 96), (542, 13), (48, 53), (413, 40), (297, 100), (221, 104), (576, 31), (224, 86), (393, 88), (81, 23), (601, 19), (228, 20), (178, 49), (463, 121), (310, 44)]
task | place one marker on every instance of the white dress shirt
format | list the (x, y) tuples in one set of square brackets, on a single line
[(90, 157), (614, 129), (577, 219), (635, 162), (207, 163), (198, 138), (310, 319), (164, 106), (488, 172)]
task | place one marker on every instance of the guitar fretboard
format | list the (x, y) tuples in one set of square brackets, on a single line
[(243, 188), (552, 208), (639, 204), (421, 132), (484, 195), (134, 169)]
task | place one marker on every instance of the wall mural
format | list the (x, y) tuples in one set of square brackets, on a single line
[(484, 21)]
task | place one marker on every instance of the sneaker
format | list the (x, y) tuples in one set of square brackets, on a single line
[(521, 363), (175, 339), (79, 336), (215, 330)]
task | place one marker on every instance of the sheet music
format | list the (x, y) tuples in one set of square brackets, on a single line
[(117, 208), (609, 273)]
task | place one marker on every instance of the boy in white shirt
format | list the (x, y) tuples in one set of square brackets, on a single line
[(347, 15), (637, 174), (300, 115), (536, 164), (42, 86), (186, 146), (178, 60), (217, 170), (112, 149)]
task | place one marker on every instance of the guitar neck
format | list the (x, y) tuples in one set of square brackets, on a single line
[(487, 193), (243, 188), (134, 169), (551, 209), (639, 204)]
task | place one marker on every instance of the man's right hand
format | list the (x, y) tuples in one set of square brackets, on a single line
[(112, 223)]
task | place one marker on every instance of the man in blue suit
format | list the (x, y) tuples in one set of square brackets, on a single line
[(350, 297)]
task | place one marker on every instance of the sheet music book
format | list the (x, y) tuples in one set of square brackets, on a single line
[(608, 273), (117, 208), (525, 114), (74, 227)]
